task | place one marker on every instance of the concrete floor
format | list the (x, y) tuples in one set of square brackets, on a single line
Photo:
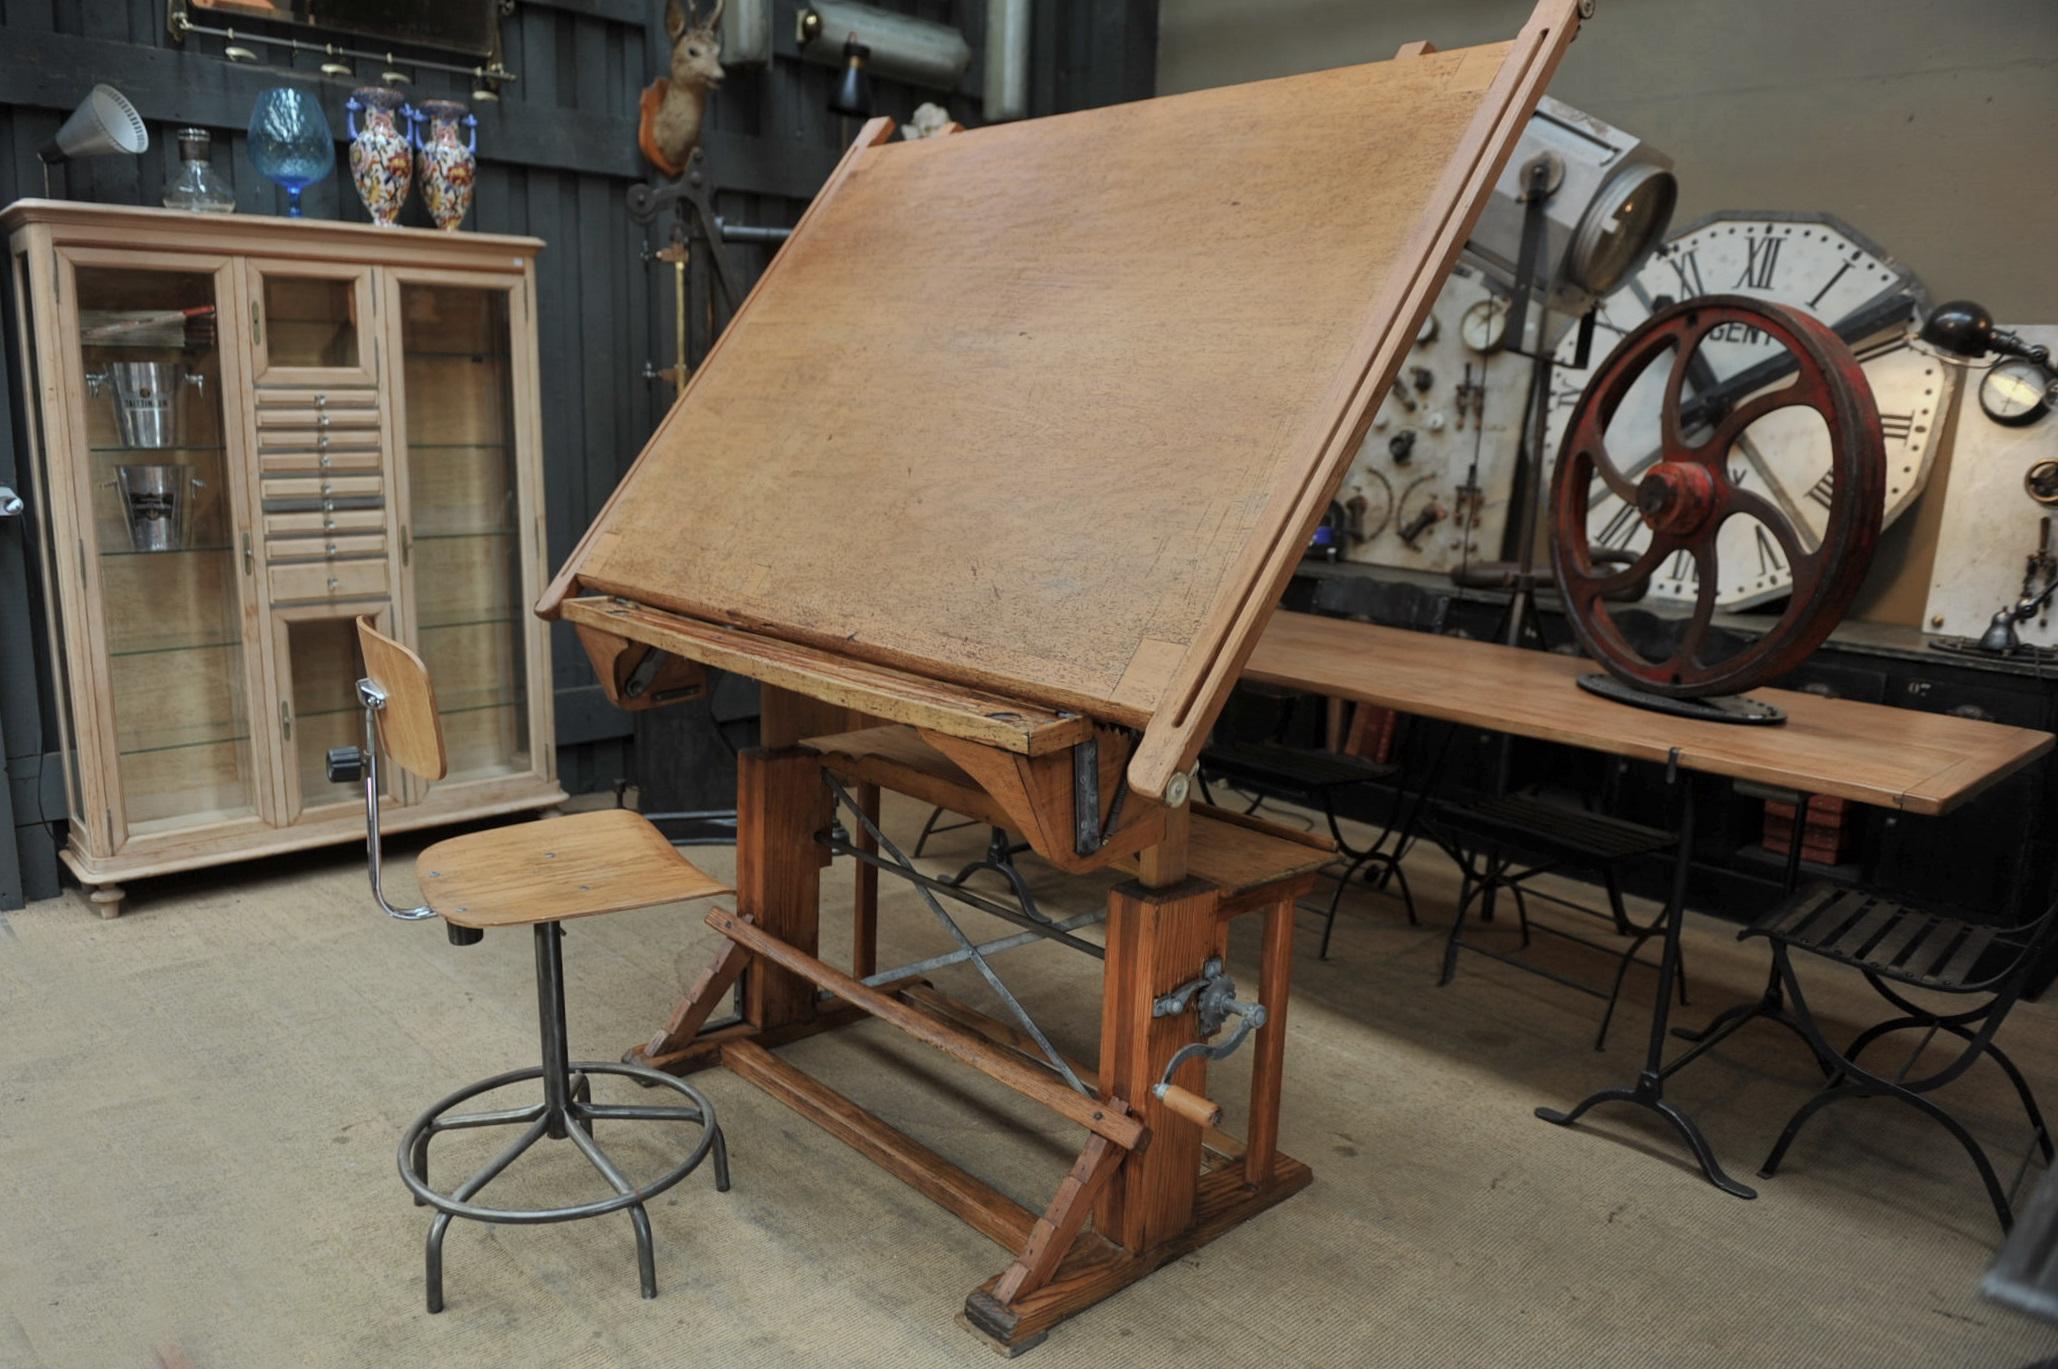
[(202, 1099)]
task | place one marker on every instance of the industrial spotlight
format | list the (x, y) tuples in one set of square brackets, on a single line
[(1610, 200), (105, 122), (853, 93)]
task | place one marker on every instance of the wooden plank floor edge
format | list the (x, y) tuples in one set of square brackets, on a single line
[(898, 696), (874, 132), (1196, 693)]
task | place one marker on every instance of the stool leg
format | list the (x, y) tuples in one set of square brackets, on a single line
[(435, 1261), (721, 1161), (646, 1258), (550, 1016)]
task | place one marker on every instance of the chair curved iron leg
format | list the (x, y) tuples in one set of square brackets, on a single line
[(1329, 922), (1407, 894), (1469, 889), (1874, 1033), (1698, 1143), (1557, 1117), (1614, 996), (2029, 1102), (1832, 1093), (927, 828)]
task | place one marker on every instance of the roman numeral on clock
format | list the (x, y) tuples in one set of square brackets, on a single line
[(1684, 567), (1823, 491), (1687, 267), (1620, 528), (1897, 427), (1769, 559), (1760, 262)]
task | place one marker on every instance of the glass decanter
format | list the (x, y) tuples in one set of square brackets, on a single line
[(198, 187)]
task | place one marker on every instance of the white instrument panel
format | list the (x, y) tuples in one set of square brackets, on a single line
[(1990, 525), (1429, 487)]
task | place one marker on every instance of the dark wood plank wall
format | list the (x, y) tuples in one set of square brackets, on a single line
[(557, 155)]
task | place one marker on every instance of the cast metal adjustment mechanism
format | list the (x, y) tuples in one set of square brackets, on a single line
[(1212, 997)]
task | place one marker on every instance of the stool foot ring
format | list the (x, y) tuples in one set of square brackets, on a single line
[(573, 1119)]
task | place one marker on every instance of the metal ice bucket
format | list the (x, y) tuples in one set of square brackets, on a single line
[(157, 502), (145, 399)]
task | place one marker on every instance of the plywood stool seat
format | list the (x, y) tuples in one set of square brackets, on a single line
[(557, 869), (535, 875)]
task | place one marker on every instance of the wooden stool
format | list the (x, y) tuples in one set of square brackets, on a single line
[(536, 875)]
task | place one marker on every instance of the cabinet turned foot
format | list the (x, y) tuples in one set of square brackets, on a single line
[(106, 899)]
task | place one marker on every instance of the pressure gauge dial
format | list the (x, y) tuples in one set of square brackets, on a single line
[(1485, 325), (2016, 392)]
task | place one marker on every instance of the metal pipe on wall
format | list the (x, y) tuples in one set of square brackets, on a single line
[(1007, 59), (904, 48)]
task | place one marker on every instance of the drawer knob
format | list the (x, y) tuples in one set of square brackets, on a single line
[(333, 582)]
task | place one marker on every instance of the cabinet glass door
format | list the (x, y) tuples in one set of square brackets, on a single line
[(310, 323), (316, 651), (466, 544), (165, 536)]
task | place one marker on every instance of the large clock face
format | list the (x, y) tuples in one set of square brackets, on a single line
[(1809, 262)]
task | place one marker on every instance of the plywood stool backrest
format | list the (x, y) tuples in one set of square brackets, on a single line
[(410, 730)]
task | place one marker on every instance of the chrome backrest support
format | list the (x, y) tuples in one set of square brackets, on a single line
[(374, 698)]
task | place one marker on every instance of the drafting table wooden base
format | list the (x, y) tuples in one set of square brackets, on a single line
[(1154, 1179)]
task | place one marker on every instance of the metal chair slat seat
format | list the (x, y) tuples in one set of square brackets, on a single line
[(1897, 946)]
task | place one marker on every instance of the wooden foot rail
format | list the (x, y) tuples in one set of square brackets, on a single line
[(1109, 1118), (971, 1199)]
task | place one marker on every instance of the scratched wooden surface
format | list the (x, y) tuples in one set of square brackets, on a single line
[(1038, 407)]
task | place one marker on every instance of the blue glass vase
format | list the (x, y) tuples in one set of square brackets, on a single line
[(290, 142)]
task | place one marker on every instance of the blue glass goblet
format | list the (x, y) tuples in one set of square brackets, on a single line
[(290, 142)]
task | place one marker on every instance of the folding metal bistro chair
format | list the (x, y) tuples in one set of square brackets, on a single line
[(1898, 948), (535, 875)]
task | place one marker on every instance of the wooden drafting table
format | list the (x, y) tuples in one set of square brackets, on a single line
[(1016, 444), (1924, 763)]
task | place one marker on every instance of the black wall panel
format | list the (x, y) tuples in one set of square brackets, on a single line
[(558, 154)]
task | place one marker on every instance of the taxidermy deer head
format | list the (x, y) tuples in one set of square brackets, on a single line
[(674, 105)]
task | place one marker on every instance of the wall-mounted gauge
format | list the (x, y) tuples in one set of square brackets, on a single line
[(1485, 325), (1811, 262), (2016, 392), (1428, 489)]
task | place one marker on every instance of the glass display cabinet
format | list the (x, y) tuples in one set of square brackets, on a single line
[(242, 438)]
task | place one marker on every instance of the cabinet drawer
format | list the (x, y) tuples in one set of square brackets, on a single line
[(277, 425), (302, 397), (326, 548), (320, 459), (319, 580), (319, 486), (316, 524)]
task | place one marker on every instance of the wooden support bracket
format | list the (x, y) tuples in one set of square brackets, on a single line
[(699, 1003), (1036, 795), (629, 678), (1062, 1221)]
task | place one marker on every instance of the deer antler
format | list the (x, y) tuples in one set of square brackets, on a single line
[(714, 19)]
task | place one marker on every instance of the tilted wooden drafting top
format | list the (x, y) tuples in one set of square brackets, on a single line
[(1015, 445)]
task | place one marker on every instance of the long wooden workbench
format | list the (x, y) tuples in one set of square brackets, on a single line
[(1924, 763)]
